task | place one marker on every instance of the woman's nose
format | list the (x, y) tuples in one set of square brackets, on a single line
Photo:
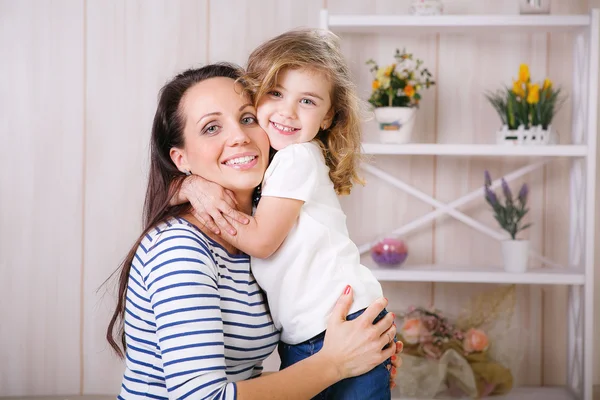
[(239, 136)]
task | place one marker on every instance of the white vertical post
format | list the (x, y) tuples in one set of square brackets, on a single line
[(323, 21), (577, 221), (590, 206)]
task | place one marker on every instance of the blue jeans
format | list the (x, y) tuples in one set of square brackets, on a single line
[(373, 385)]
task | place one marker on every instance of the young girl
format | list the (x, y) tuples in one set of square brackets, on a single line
[(302, 255)]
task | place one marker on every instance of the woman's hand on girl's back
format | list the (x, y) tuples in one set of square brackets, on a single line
[(358, 346), (211, 204)]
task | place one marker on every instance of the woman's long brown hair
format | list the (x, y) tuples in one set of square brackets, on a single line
[(164, 178)]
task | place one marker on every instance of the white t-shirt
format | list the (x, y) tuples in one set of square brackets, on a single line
[(304, 278)]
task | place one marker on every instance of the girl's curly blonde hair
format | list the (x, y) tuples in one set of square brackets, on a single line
[(318, 50)]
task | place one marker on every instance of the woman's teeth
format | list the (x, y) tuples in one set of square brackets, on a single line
[(283, 127), (240, 160)]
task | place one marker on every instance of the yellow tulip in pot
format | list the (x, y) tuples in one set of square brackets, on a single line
[(526, 110)]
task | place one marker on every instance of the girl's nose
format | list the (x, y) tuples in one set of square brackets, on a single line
[(287, 110)]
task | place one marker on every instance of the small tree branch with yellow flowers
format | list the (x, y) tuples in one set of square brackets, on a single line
[(526, 104), (398, 84)]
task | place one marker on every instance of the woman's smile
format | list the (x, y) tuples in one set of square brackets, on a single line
[(242, 161)]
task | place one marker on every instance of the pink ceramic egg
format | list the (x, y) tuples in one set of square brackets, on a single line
[(389, 252)]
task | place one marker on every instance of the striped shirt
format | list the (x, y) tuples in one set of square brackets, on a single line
[(196, 321)]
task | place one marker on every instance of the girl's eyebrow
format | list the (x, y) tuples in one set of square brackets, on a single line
[(278, 86), (313, 95)]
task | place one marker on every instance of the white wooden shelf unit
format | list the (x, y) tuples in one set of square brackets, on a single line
[(579, 274)]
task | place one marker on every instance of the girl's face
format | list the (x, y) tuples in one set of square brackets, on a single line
[(223, 141), (297, 107)]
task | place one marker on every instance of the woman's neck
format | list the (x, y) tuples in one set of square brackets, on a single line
[(244, 205), (226, 245)]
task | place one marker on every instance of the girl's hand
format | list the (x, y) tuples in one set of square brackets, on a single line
[(355, 347), (396, 363), (211, 203)]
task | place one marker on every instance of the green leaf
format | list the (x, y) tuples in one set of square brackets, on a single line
[(525, 226)]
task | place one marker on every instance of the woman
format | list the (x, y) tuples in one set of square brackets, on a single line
[(195, 322)]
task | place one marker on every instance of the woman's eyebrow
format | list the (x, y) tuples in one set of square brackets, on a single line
[(245, 105), (207, 115)]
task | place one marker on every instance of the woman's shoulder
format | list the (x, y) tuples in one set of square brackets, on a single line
[(178, 236), (174, 238), (172, 232)]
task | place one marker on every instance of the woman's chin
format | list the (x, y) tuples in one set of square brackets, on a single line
[(243, 185)]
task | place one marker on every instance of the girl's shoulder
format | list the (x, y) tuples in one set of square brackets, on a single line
[(311, 146), (303, 152)]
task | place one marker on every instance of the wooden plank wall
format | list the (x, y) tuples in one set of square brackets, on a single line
[(80, 89)]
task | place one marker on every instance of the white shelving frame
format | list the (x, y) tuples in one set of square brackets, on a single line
[(579, 274)]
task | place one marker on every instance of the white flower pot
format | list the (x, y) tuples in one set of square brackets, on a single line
[(534, 6), (426, 7), (516, 255), (395, 123)]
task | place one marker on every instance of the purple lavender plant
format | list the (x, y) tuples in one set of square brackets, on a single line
[(510, 214)]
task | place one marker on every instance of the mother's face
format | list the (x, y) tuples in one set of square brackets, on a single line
[(223, 141)]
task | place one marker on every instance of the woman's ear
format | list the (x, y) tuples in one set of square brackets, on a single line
[(179, 159)]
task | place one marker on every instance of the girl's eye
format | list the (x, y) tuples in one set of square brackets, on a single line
[(248, 120), (307, 101), (275, 93)]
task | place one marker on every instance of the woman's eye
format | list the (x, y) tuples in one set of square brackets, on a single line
[(248, 120), (275, 93), (307, 101), (211, 129)]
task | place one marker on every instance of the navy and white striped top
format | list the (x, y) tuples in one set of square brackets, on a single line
[(196, 320)]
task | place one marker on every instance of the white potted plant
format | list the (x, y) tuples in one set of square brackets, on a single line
[(526, 110), (396, 95), (510, 215)]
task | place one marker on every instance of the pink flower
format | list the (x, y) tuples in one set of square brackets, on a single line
[(475, 340), (412, 329)]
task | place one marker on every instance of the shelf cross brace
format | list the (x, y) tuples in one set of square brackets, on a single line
[(451, 208)]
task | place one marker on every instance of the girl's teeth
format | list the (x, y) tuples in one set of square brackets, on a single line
[(283, 128), (240, 160)]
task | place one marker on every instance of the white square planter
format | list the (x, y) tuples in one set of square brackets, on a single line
[(521, 136)]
